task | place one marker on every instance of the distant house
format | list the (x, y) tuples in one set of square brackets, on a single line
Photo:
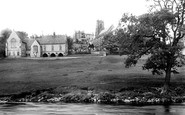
[(46, 46), (81, 36)]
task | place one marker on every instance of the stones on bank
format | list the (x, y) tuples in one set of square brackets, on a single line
[(132, 97)]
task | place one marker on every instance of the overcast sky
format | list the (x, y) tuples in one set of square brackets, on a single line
[(64, 16)]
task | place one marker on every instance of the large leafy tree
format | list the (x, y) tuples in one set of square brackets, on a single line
[(159, 34), (111, 43), (22, 34)]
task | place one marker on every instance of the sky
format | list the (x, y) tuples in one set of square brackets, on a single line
[(43, 17)]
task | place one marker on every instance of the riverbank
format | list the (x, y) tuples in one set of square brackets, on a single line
[(88, 109), (129, 96)]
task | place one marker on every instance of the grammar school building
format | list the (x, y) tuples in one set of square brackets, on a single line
[(45, 46)]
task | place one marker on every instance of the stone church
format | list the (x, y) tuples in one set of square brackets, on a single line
[(45, 46)]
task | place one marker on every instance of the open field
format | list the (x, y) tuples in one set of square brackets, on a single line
[(88, 72)]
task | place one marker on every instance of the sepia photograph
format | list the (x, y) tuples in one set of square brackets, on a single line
[(92, 57)]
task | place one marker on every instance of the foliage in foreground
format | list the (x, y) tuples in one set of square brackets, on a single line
[(138, 96), (159, 34)]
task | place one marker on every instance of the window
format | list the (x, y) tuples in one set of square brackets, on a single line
[(44, 48), (52, 48), (13, 43), (35, 48), (60, 47), (17, 53)]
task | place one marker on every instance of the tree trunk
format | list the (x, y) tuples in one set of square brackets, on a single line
[(167, 79)]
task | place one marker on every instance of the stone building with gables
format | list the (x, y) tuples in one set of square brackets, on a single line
[(45, 46)]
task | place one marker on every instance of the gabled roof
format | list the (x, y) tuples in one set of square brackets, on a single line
[(16, 33), (98, 40), (58, 39), (29, 42), (105, 31), (45, 40), (13, 34)]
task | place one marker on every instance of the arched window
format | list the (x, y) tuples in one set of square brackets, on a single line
[(13, 43), (35, 48)]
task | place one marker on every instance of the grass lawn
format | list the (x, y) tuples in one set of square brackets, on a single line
[(100, 73)]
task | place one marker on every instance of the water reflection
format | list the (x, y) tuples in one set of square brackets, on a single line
[(88, 109)]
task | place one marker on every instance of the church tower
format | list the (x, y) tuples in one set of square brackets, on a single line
[(99, 27)]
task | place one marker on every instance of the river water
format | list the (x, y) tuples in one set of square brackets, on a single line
[(88, 109)]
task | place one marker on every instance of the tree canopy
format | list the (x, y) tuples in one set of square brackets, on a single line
[(158, 34), (3, 37), (22, 34), (111, 43), (70, 44)]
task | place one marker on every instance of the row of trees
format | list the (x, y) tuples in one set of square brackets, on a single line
[(158, 33)]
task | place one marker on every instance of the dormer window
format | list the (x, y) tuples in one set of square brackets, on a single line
[(13, 43)]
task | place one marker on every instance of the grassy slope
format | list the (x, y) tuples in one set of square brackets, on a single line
[(102, 73)]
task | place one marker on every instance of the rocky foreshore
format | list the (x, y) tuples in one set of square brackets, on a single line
[(125, 96)]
